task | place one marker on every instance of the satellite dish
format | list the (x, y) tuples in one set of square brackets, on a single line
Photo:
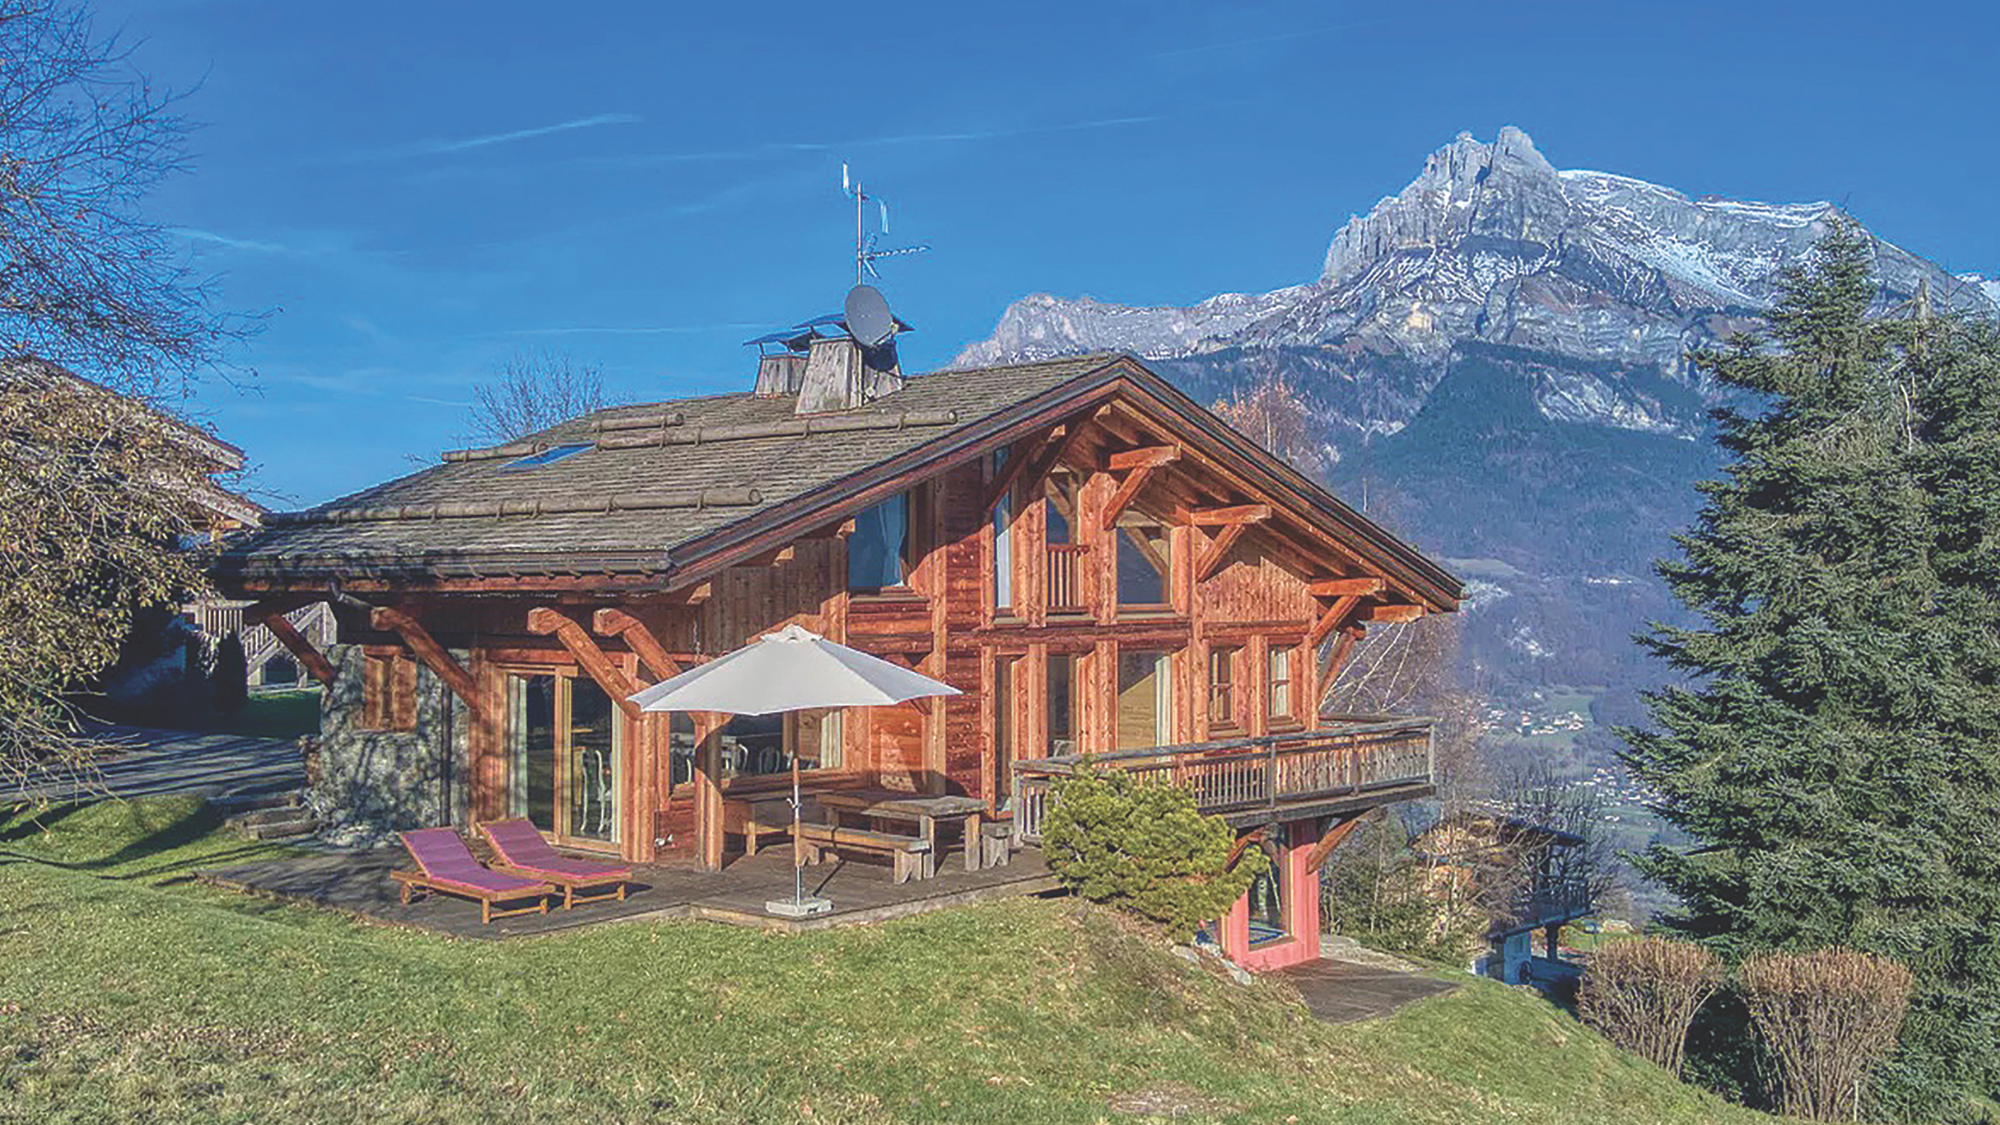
[(868, 319)]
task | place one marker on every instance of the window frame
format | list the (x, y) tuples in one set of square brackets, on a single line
[(905, 556), (1223, 709)]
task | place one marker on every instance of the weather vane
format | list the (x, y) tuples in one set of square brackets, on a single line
[(866, 249)]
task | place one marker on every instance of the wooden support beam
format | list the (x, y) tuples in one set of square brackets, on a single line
[(302, 650), (441, 663), (771, 557), (689, 595), (1219, 517), (1150, 457), (1243, 844), (609, 676), (1331, 840), (1332, 619), (638, 638), (1046, 461), (1346, 587), (1392, 614), (1330, 669), (1217, 551), (1018, 457), (1128, 489)]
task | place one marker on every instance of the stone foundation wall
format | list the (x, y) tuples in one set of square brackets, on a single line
[(372, 783)]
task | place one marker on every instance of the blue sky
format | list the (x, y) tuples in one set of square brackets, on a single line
[(417, 189)]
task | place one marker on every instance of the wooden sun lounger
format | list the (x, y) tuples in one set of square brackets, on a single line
[(524, 852), (447, 867)]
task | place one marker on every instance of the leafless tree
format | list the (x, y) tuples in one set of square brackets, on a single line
[(532, 391), (1272, 412), (100, 493), (87, 279), (1829, 1016), (1644, 994), (1412, 668)]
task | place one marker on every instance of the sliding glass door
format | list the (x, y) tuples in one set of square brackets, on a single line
[(565, 740)]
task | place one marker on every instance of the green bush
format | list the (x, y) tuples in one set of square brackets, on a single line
[(1144, 847)]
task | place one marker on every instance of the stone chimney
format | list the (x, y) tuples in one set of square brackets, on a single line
[(840, 374)]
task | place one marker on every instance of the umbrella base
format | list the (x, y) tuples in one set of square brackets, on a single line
[(802, 908)]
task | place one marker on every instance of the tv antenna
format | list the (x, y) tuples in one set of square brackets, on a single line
[(866, 249)]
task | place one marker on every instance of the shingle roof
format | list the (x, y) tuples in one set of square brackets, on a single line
[(657, 476)]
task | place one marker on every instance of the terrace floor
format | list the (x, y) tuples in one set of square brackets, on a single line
[(357, 882)]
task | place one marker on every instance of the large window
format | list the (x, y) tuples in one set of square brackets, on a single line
[(1143, 557), (757, 745), (1270, 914), (1062, 698), (564, 738), (878, 553), (1145, 699)]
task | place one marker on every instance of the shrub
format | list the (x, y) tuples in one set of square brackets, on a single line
[(1643, 995), (1828, 1017), (1144, 847)]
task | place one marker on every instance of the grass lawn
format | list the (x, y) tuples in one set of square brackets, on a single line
[(129, 993)]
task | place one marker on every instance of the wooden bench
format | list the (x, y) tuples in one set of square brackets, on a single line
[(906, 853)]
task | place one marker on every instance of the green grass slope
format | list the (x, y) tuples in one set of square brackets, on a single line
[(129, 993)]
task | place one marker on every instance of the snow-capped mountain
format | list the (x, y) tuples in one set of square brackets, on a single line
[(1496, 359), (1492, 243)]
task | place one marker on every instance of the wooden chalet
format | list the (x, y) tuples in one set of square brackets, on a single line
[(1107, 571)]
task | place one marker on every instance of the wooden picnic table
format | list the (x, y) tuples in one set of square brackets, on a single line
[(912, 808)]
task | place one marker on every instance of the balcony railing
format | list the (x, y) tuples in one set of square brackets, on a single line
[(1065, 570), (1546, 900), (1361, 753)]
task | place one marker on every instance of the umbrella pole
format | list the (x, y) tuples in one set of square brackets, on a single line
[(798, 846)]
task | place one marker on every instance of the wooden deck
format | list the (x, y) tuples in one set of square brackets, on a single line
[(358, 883)]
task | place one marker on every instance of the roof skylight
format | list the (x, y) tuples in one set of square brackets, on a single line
[(547, 456)]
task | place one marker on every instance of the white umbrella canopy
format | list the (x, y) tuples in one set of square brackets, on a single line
[(792, 669)]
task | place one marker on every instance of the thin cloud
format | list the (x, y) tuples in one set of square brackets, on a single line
[(439, 402), (194, 234), (1281, 37), (777, 148), (442, 147), (447, 147), (635, 330)]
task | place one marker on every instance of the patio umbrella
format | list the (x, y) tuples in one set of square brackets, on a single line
[(792, 669)]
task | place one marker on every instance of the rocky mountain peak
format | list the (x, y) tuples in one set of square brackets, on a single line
[(1504, 190)]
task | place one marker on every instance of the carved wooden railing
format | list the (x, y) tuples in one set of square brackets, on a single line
[(1359, 754), (1065, 577)]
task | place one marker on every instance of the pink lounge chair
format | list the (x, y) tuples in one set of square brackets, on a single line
[(447, 867), (524, 852)]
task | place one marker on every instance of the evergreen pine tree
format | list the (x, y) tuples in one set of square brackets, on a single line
[(1835, 750)]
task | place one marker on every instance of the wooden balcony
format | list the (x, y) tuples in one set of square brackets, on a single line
[(1545, 901), (1064, 576), (1359, 761)]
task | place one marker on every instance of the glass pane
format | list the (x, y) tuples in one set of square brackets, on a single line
[(681, 749), (1142, 564), (593, 792), (531, 730), (1062, 704), (1058, 509), (1281, 683), (1142, 699), (1267, 905), (1221, 688), (875, 551), (754, 744)]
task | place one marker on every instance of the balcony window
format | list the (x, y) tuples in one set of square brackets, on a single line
[(1059, 507), (1144, 555), (1222, 687), (1145, 699), (878, 553), (1281, 684)]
